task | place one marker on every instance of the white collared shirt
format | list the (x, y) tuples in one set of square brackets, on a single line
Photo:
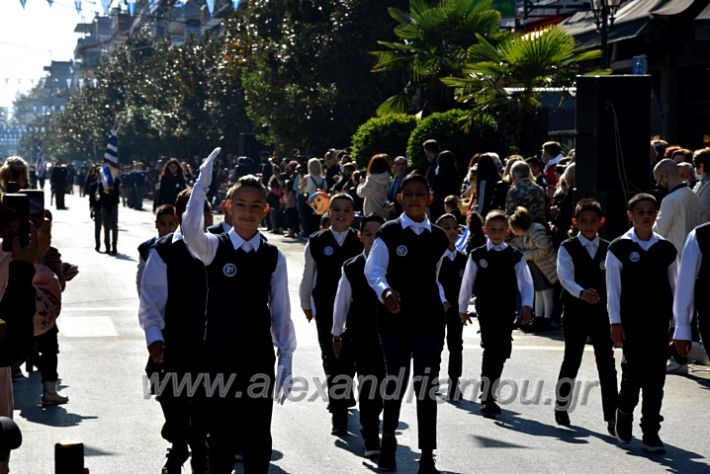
[(552, 162), (310, 272), (204, 245), (684, 297), (565, 265), (522, 276), (450, 254), (613, 274), (341, 305), (378, 260)]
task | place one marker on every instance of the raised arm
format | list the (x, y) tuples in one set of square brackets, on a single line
[(203, 245)]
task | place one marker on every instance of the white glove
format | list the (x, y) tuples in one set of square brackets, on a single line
[(284, 380), (205, 178)]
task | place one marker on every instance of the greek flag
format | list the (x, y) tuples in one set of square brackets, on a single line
[(110, 161)]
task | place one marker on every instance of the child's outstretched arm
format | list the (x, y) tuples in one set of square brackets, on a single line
[(203, 245), (306, 287), (376, 274), (282, 331), (466, 291), (684, 297), (341, 307), (613, 297), (526, 289)]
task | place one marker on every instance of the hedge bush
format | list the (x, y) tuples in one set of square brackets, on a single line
[(382, 135), (447, 129)]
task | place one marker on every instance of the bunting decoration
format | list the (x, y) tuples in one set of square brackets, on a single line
[(107, 5), (131, 4), (22, 2), (77, 5)]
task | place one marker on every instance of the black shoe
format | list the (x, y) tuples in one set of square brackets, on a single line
[(98, 248), (623, 427), (113, 252), (372, 447), (454, 394), (340, 424), (198, 462), (652, 443), (427, 466), (562, 418), (610, 427), (490, 409), (388, 454), (176, 457)]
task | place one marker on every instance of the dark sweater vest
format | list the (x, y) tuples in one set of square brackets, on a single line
[(450, 276), (144, 248), (238, 335), (702, 284), (185, 308), (361, 318), (496, 285), (588, 273), (329, 258), (646, 295), (412, 272)]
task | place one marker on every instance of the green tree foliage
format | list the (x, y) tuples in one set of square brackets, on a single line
[(447, 129), (503, 81), (432, 39), (305, 68), (382, 135)]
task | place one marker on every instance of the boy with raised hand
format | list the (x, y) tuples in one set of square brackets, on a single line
[(581, 269), (325, 254), (355, 322), (248, 313), (173, 292), (403, 269), (496, 274), (641, 268)]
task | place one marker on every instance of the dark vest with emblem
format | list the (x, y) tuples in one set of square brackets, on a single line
[(185, 308), (496, 285), (216, 229), (361, 317), (412, 272), (450, 275), (238, 335), (144, 248), (702, 284), (588, 273), (329, 258), (646, 295)]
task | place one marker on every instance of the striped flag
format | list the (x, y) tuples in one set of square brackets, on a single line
[(110, 161)]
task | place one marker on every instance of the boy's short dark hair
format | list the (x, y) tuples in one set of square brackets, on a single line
[(164, 210), (641, 197), (181, 202), (431, 145), (414, 177), (702, 157), (248, 181), (372, 217), (520, 219), (344, 197), (451, 200), (588, 204), (553, 148), (496, 215), (446, 216)]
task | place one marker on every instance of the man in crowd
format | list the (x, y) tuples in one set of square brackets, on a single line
[(525, 193)]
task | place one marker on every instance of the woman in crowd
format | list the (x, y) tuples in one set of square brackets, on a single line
[(445, 183), (376, 185), (171, 183)]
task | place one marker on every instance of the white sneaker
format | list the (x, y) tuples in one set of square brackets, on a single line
[(674, 368)]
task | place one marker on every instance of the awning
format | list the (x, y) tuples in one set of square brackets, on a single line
[(702, 25), (631, 20)]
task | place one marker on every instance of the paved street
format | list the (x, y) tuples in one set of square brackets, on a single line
[(103, 354)]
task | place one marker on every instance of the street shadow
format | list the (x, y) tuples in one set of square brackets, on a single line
[(702, 381), (27, 394), (675, 459), (123, 256), (513, 421), (276, 455), (89, 451)]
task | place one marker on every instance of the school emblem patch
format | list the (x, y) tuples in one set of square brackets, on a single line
[(402, 250), (634, 257), (602, 265), (229, 270), (328, 251), (483, 263)]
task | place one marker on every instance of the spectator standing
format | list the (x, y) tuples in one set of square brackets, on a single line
[(525, 193), (59, 183), (431, 152), (701, 160), (374, 188), (551, 155), (171, 183), (445, 183), (400, 171)]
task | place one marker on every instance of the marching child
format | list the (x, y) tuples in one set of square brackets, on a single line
[(355, 323), (325, 253), (496, 274), (173, 292), (166, 223), (403, 268), (641, 270), (450, 274), (580, 266), (248, 313)]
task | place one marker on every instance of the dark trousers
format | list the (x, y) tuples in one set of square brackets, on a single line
[(244, 419), (48, 348), (370, 368), (403, 345), (339, 372), (496, 341), (109, 219), (454, 342), (577, 327), (98, 224), (59, 198), (644, 368), (185, 426), (704, 328)]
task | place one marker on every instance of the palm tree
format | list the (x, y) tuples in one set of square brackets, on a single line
[(502, 82), (433, 44)]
